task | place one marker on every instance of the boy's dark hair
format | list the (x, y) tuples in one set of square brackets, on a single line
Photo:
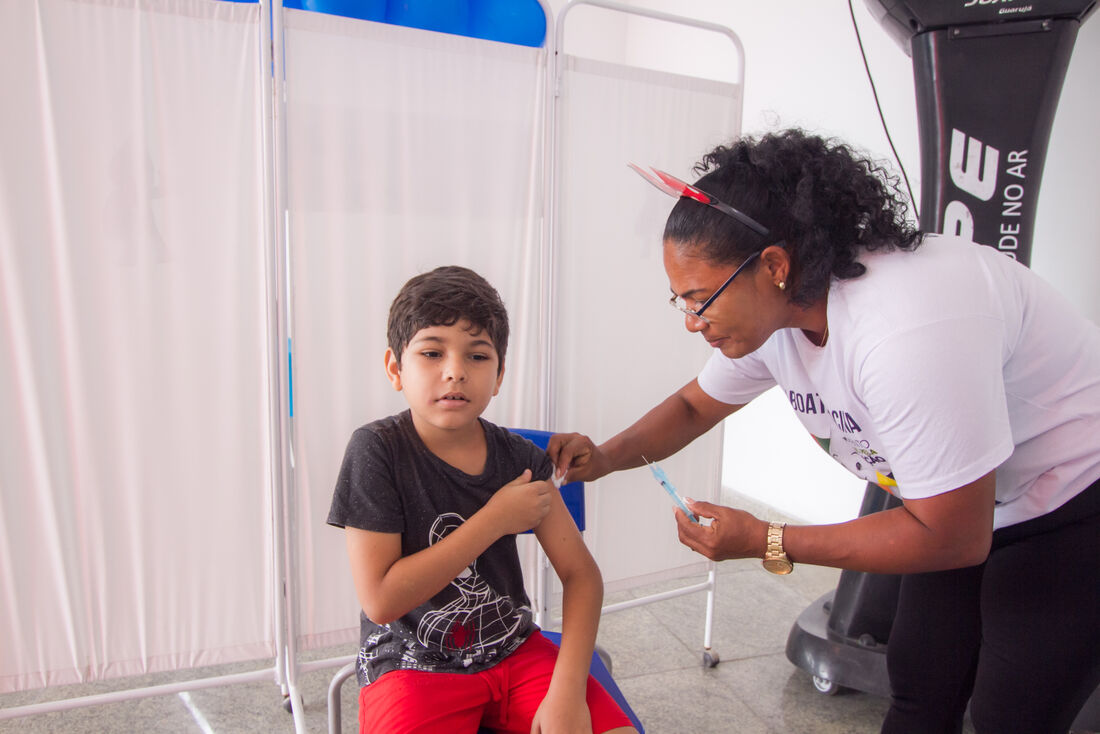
[(443, 297)]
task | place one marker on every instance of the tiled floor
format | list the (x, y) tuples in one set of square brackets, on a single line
[(656, 651), (657, 657)]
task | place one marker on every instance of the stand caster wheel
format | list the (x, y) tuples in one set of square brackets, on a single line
[(825, 686), (287, 705), (710, 659)]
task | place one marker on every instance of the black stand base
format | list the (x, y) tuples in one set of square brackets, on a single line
[(839, 663), (836, 662)]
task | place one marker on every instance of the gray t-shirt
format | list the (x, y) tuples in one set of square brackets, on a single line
[(390, 482)]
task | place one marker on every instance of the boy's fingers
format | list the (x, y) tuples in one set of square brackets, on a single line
[(523, 478), (539, 489)]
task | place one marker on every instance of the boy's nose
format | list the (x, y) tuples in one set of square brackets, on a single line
[(454, 370)]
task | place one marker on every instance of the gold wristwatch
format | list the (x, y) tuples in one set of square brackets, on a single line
[(775, 558)]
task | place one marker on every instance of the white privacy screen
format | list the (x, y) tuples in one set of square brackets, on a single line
[(134, 459), (140, 331), (621, 349), (407, 150)]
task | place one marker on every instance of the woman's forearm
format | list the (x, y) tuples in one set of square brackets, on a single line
[(892, 541), (953, 529), (670, 426)]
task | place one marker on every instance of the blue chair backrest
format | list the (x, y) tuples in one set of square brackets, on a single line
[(572, 493)]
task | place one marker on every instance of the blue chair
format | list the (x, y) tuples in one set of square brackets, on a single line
[(573, 495)]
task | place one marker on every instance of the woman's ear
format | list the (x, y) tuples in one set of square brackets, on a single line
[(393, 369), (776, 262)]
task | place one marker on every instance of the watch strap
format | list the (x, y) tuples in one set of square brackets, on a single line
[(775, 555)]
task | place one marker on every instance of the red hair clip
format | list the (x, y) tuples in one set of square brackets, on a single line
[(673, 186)]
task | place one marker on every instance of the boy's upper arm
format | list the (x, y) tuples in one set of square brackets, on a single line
[(561, 540), (370, 555)]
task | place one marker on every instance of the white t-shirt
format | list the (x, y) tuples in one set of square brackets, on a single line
[(941, 365)]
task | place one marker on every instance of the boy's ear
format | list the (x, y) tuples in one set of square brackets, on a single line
[(500, 379), (393, 369)]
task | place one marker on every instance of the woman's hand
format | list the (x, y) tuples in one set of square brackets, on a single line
[(731, 533), (561, 715), (575, 456)]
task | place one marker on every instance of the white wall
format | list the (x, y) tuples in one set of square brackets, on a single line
[(803, 68)]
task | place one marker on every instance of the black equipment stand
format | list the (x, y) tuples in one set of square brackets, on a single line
[(988, 74)]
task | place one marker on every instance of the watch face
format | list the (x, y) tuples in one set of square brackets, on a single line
[(780, 566)]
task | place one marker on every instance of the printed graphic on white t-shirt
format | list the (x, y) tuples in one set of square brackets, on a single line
[(842, 437)]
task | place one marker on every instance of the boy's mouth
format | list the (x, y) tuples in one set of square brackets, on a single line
[(455, 397)]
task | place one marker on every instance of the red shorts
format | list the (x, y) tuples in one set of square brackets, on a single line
[(503, 698)]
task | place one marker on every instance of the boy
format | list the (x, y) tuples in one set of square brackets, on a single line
[(431, 500)]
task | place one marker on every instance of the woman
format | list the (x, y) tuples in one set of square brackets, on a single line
[(940, 369)]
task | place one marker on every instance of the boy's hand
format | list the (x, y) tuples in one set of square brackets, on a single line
[(521, 504), (561, 715)]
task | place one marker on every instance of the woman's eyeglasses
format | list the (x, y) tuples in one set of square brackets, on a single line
[(678, 302), (673, 186)]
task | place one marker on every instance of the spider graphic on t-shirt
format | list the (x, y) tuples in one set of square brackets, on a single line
[(478, 619)]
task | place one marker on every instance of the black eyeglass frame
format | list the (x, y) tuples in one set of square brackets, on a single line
[(698, 313)]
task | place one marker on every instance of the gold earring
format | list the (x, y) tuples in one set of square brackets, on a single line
[(782, 285)]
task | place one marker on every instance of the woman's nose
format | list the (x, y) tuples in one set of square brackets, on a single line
[(694, 324)]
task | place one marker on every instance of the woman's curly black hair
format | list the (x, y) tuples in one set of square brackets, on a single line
[(820, 198)]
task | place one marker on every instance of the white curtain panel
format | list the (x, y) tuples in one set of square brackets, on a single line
[(620, 348), (407, 150), (134, 461)]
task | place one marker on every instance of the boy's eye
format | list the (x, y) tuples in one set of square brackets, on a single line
[(431, 353), (479, 357)]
